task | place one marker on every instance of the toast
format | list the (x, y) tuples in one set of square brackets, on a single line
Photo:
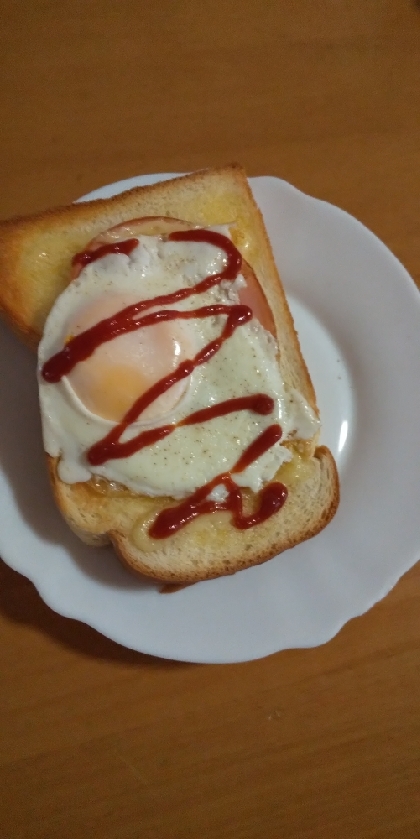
[(35, 267)]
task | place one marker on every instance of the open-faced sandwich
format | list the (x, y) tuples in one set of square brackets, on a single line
[(179, 419)]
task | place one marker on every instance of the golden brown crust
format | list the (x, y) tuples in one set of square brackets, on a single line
[(218, 550), (35, 258)]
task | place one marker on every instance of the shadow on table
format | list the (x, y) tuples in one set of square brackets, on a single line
[(21, 603)]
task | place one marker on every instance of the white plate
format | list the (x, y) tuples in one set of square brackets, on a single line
[(358, 315)]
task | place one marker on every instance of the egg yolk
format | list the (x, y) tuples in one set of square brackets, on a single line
[(120, 371)]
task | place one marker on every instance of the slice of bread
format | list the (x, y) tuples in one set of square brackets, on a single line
[(35, 266)]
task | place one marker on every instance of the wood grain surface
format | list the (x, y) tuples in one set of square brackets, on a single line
[(98, 741)]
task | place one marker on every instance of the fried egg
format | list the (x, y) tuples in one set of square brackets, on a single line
[(80, 410)]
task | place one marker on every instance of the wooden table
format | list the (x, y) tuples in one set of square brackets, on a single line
[(97, 741)]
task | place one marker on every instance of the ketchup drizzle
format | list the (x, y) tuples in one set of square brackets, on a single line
[(271, 497), (80, 347), (86, 257), (110, 448)]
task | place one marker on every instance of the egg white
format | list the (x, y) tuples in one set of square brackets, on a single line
[(246, 364)]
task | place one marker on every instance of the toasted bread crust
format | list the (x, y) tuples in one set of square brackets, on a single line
[(35, 260), (218, 550)]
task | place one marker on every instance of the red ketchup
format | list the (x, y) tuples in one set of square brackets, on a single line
[(80, 347), (271, 497), (86, 257)]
